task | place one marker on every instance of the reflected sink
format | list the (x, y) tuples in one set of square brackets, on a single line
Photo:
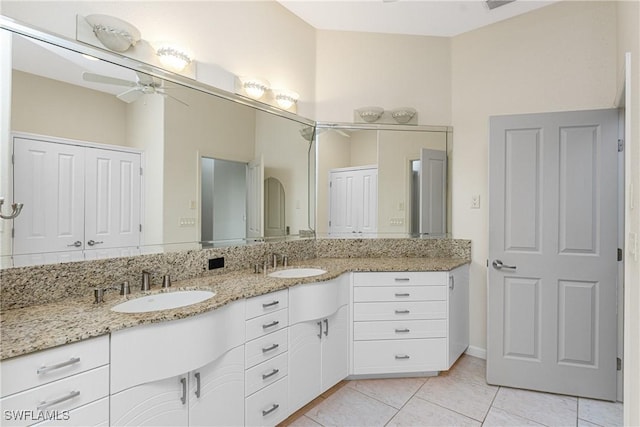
[(162, 301), (292, 273)]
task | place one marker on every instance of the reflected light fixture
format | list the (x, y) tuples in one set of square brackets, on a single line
[(403, 115), (370, 114), (173, 57), (254, 87), (285, 98)]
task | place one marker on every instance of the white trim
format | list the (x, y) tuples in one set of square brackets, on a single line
[(70, 141), (479, 352)]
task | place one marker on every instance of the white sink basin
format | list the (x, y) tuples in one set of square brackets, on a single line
[(291, 273), (162, 301)]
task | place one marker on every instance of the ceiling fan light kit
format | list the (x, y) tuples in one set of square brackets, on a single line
[(114, 33)]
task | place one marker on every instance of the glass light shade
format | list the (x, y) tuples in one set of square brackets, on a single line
[(254, 88), (403, 115), (285, 98), (370, 114), (173, 58)]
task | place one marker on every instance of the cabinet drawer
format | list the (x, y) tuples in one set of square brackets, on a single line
[(95, 414), (264, 348), (263, 325), (400, 329), (267, 303), (265, 373), (62, 395), (399, 356), (35, 369), (428, 278), (399, 293), (267, 407), (369, 311)]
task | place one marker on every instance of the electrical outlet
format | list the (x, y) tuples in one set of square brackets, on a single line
[(475, 201), (216, 263)]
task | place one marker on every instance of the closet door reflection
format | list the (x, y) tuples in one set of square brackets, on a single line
[(223, 201)]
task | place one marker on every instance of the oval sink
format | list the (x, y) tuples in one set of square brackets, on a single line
[(291, 273), (162, 301)]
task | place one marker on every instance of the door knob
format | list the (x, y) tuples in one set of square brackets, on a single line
[(499, 265)]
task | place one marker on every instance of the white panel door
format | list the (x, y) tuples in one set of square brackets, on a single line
[(49, 180), (433, 191), (255, 196), (553, 246), (368, 201), (112, 201), (353, 202)]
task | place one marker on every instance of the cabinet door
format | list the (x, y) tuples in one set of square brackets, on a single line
[(49, 180), (304, 363), (335, 348), (159, 403), (458, 312), (216, 392), (112, 201)]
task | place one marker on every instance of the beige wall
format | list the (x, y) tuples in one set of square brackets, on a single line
[(629, 41), (363, 69), (334, 152), (561, 57)]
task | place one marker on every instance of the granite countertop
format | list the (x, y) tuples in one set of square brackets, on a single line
[(39, 327)]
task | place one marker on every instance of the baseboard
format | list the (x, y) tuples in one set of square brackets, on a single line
[(476, 352)]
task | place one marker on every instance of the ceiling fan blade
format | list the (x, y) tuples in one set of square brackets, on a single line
[(130, 95), (99, 78)]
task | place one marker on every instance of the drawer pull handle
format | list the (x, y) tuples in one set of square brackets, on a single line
[(45, 369), (270, 304), (183, 399), (403, 295), (402, 311), (45, 405), (270, 410), (402, 279), (398, 331), (326, 327), (270, 325), (197, 375), (320, 334), (270, 374), (271, 347), (402, 356)]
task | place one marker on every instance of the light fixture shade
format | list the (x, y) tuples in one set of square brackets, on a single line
[(285, 98), (173, 57), (254, 87), (114, 33), (403, 115), (370, 114)]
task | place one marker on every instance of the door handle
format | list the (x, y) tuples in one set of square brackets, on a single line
[(499, 265), (76, 244), (93, 242)]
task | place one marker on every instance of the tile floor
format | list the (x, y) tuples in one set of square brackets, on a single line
[(460, 397)]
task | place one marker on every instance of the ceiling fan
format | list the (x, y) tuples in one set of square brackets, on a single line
[(144, 85)]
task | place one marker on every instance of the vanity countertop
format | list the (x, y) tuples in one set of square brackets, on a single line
[(29, 329)]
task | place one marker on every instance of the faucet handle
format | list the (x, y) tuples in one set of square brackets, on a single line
[(125, 289), (166, 281), (146, 280)]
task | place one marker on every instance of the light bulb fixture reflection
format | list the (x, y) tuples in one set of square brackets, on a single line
[(285, 98), (254, 88), (173, 58)]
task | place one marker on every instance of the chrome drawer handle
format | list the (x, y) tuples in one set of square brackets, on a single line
[(270, 374), (402, 311), (45, 369), (326, 327), (270, 410), (402, 356), (183, 399), (197, 376), (398, 331), (273, 347), (45, 405), (270, 304), (403, 295), (270, 325), (402, 279)]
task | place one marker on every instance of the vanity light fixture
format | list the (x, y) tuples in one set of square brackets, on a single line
[(114, 33), (173, 57), (285, 98), (370, 114), (403, 115), (254, 87)]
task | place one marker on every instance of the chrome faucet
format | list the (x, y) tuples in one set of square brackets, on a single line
[(146, 281)]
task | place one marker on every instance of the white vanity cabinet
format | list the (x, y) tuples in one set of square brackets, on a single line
[(66, 385), (409, 322), (266, 390), (184, 372), (318, 338)]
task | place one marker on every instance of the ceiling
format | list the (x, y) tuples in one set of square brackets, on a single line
[(445, 18)]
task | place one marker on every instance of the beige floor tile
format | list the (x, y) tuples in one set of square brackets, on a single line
[(600, 412), (419, 412), (394, 391), (498, 417), (544, 408), (469, 398), (348, 407), (304, 421)]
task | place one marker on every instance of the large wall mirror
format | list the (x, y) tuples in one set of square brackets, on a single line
[(383, 180), (114, 161)]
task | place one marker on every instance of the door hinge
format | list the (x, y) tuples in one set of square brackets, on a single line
[(330, 184), (620, 145), (619, 364), (140, 227), (619, 254), (329, 223), (13, 233), (140, 171)]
